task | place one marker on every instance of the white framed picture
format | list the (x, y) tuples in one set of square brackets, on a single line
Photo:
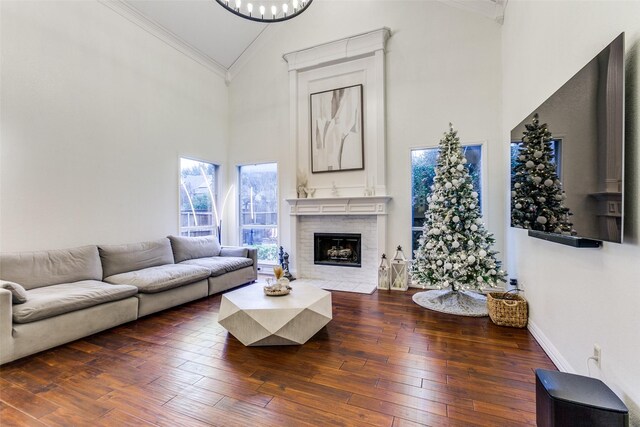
[(337, 141)]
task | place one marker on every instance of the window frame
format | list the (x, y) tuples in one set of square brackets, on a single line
[(483, 183), (216, 191), (262, 264)]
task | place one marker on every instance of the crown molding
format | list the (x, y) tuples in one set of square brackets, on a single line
[(135, 16), (360, 45)]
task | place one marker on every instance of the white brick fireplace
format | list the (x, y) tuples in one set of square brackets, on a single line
[(366, 216)]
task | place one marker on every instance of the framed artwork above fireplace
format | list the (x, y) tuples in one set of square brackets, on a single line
[(337, 142)]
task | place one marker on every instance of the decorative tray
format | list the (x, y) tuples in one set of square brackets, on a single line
[(276, 292)]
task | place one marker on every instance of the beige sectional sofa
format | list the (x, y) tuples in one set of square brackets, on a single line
[(72, 293)]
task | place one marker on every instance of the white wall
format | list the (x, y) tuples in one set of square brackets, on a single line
[(95, 113), (443, 64), (578, 297)]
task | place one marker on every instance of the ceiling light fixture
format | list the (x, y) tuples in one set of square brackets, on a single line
[(266, 10)]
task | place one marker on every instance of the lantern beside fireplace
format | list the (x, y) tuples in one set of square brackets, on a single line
[(383, 273), (399, 279)]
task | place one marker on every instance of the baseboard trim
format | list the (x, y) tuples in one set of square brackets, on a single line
[(548, 347)]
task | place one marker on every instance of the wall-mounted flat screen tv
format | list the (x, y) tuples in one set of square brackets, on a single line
[(567, 155)]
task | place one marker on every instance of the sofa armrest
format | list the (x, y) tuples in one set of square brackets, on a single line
[(6, 326), (253, 254), (242, 251)]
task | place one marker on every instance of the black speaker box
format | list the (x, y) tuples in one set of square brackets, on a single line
[(568, 400)]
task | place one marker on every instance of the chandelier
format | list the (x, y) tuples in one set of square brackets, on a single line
[(266, 10)]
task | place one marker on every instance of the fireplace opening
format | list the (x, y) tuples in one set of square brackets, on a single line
[(341, 249)]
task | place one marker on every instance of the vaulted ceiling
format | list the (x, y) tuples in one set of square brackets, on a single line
[(218, 37)]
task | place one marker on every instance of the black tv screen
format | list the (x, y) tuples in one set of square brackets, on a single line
[(567, 155)]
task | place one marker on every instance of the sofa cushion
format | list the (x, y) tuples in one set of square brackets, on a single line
[(44, 268), (157, 279), (118, 259), (235, 251), (18, 293), (185, 248), (54, 300), (219, 265)]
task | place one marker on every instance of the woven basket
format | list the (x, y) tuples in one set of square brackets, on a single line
[(507, 309)]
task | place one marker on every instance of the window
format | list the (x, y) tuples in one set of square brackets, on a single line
[(259, 210), (423, 163), (198, 196)]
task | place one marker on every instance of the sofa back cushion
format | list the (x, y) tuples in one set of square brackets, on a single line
[(185, 248), (44, 268), (118, 259)]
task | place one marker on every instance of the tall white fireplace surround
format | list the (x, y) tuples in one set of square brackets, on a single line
[(339, 203), (366, 216)]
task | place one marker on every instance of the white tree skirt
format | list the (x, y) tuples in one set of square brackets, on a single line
[(461, 303)]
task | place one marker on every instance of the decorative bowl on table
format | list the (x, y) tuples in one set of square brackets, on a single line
[(279, 288)]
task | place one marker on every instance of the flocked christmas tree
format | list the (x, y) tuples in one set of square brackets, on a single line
[(537, 198), (455, 249)]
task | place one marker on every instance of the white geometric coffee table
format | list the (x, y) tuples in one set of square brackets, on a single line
[(256, 319)]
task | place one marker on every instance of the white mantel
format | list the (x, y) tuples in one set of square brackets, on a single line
[(368, 213), (366, 205)]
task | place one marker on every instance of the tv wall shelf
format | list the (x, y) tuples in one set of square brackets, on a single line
[(576, 242)]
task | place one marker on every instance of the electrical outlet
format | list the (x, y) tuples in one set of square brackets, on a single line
[(597, 354)]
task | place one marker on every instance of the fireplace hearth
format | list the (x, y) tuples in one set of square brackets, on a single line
[(339, 249)]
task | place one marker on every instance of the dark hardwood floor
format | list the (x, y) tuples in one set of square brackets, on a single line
[(381, 361)]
